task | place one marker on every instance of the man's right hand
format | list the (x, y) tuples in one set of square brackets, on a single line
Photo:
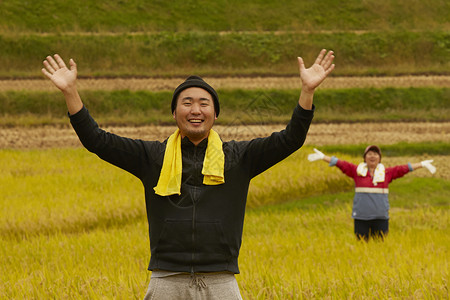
[(57, 71)]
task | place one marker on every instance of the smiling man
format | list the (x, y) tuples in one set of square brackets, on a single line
[(195, 185), (195, 107)]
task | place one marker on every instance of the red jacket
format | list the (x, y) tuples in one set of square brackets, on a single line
[(370, 201)]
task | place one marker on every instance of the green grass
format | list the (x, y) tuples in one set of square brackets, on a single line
[(178, 38), (237, 106), (235, 54), (220, 15)]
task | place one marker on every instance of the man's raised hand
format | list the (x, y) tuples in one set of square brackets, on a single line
[(65, 80), (313, 76), (56, 70)]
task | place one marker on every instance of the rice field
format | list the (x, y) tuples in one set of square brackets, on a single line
[(74, 227)]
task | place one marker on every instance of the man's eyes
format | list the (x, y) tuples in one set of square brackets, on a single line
[(202, 103)]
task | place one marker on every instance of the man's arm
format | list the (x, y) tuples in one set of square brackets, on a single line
[(125, 153), (313, 76), (263, 153), (65, 80)]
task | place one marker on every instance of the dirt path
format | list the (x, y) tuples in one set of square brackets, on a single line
[(159, 84), (319, 134)]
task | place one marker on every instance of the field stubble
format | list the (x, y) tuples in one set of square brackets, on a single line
[(255, 82), (320, 134), (46, 137)]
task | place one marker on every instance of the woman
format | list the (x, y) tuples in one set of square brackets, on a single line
[(371, 204)]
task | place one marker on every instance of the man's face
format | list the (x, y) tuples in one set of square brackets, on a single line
[(372, 159), (194, 114)]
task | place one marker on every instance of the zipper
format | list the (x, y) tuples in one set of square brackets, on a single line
[(194, 191), (193, 197), (193, 238)]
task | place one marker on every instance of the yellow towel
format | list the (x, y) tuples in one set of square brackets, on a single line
[(169, 182)]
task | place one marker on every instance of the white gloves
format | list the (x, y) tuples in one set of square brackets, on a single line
[(427, 164), (316, 156)]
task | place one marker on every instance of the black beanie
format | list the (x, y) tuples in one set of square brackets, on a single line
[(196, 81)]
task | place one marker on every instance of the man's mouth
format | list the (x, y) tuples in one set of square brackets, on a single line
[(197, 121)]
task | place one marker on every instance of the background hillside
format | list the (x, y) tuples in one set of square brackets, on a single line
[(252, 15), (177, 38), (145, 40), (169, 40)]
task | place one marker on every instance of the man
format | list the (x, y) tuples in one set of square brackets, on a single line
[(195, 185)]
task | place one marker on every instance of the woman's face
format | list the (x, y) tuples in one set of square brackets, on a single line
[(372, 159)]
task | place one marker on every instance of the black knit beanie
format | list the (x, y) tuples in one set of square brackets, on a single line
[(196, 81)]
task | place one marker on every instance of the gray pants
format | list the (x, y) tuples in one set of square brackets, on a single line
[(203, 286)]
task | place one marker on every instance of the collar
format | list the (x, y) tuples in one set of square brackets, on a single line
[(186, 143)]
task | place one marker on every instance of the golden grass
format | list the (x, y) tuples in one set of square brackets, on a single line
[(64, 190), (286, 254), (308, 254), (296, 177), (97, 264), (73, 227), (70, 190)]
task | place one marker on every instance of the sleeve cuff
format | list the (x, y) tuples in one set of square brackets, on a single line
[(333, 161), (309, 113), (310, 110), (410, 167), (80, 115)]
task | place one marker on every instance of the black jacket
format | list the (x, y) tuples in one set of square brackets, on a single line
[(200, 230)]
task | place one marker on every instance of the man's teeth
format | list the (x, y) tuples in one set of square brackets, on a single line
[(195, 121)]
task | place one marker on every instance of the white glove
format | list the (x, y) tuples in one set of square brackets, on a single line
[(316, 156), (427, 164)]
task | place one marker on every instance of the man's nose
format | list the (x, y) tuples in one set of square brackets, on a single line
[(195, 108)]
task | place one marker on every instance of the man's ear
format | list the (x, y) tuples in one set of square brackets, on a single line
[(174, 115), (215, 116)]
